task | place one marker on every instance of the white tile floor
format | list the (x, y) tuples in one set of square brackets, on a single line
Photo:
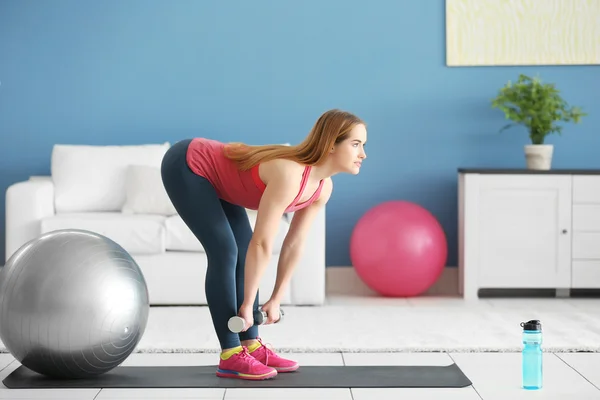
[(494, 375)]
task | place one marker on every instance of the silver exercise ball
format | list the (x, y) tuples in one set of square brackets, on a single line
[(73, 304)]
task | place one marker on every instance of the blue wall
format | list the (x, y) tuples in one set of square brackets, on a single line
[(140, 71)]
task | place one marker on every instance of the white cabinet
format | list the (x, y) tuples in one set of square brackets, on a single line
[(528, 229)]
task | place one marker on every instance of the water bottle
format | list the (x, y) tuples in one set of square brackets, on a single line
[(532, 355)]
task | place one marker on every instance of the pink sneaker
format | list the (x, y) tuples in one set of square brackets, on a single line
[(268, 357), (244, 366)]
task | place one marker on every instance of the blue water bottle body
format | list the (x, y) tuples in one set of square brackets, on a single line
[(532, 355)]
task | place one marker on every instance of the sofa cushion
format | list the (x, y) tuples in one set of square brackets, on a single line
[(146, 193), (137, 234), (180, 237), (93, 178)]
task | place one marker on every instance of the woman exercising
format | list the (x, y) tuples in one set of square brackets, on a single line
[(211, 184)]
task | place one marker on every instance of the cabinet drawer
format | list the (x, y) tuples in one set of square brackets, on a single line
[(586, 245), (585, 274), (586, 189), (586, 217)]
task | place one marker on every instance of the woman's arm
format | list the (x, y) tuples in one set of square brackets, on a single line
[(293, 245), (281, 189)]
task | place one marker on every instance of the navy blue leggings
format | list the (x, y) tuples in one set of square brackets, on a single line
[(224, 231)]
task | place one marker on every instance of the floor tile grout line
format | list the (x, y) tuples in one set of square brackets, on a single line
[(7, 365), (472, 384), (344, 363), (573, 368)]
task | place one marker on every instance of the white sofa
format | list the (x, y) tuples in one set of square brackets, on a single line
[(116, 191)]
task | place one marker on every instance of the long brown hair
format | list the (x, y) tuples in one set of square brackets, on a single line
[(332, 127)]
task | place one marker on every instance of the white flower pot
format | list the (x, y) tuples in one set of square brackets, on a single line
[(539, 156)]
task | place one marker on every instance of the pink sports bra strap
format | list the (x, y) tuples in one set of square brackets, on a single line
[(305, 176)]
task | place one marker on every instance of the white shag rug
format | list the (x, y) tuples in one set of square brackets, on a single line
[(386, 327)]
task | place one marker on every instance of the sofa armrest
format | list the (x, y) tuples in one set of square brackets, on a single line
[(307, 286), (27, 202)]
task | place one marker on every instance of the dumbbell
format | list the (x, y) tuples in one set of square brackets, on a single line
[(236, 324)]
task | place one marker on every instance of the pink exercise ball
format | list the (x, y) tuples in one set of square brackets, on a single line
[(398, 249)]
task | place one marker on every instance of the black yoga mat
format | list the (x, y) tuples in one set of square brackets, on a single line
[(204, 377)]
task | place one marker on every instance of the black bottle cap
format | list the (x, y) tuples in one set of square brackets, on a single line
[(533, 325)]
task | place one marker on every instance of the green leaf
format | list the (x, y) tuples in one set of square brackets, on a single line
[(536, 105)]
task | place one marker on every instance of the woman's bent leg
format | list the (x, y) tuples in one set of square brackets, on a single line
[(197, 203), (238, 219), (242, 231)]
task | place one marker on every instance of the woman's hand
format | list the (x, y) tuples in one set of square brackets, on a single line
[(246, 313), (271, 307)]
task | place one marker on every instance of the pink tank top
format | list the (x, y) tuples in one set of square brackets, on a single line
[(205, 157)]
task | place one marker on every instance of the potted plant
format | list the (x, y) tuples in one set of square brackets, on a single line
[(539, 107)]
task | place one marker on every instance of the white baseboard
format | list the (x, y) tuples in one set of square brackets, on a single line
[(344, 281)]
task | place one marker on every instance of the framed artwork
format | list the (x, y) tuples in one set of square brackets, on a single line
[(522, 32)]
